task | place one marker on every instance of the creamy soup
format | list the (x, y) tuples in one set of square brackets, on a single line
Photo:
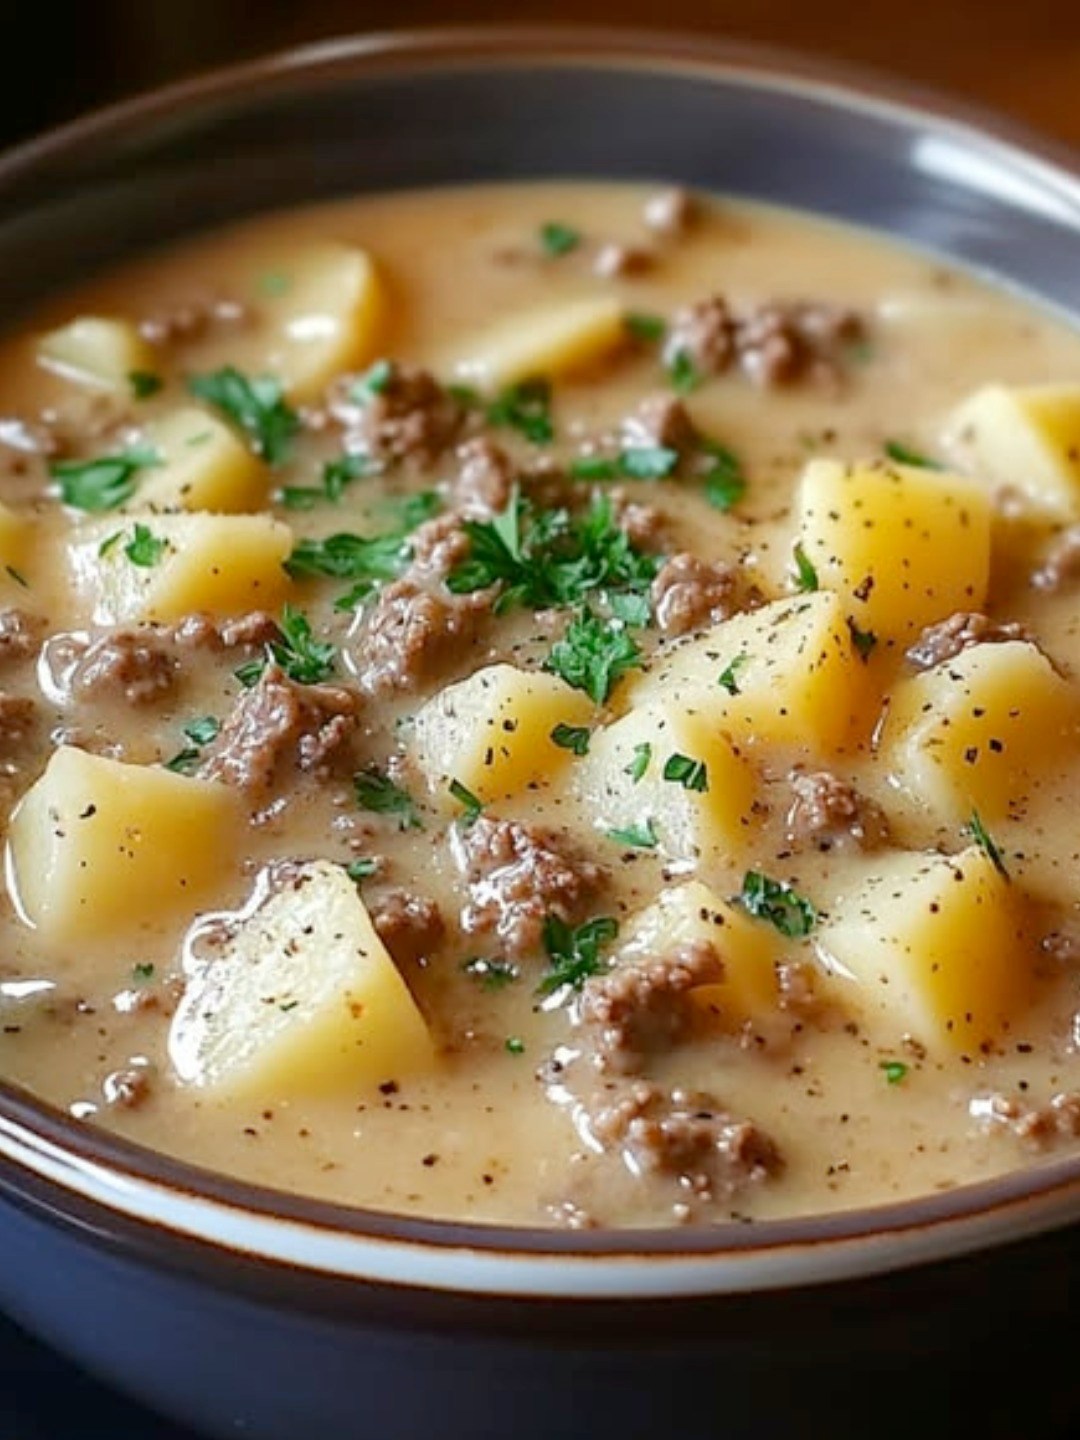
[(545, 704)]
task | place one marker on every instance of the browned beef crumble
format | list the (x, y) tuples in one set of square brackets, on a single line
[(704, 335), (948, 638), (410, 926), (277, 722), (129, 1088), (618, 262), (670, 211), (643, 1006), (660, 419), (414, 631), (1037, 1126), (828, 813), (689, 593), (410, 417), (130, 664), (192, 319), (18, 714), (20, 634), (1061, 567), (484, 480), (517, 876), (642, 524)]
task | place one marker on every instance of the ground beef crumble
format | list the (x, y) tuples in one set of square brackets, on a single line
[(689, 593), (19, 635), (132, 664), (828, 813), (517, 876), (410, 926), (484, 480), (17, 716), (949, 638), (1037, 1126), (660, 419), (409, 417), (1062, 563)]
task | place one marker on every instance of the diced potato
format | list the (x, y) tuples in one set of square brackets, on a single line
[(14, 536), (976, 732), (97, 351), (796, 676), (551, 340), (747, 949), (689, 824), (904, 546), (224, 564), (492, 732), (99, 848), (301, 998), (1026, 438), (204, 466), (932, 946)]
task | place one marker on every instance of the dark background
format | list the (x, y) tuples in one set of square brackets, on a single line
[(1019, 56)]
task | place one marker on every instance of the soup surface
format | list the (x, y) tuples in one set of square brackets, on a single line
[(545, 704)]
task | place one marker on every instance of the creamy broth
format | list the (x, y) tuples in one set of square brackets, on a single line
[(821, 1099)]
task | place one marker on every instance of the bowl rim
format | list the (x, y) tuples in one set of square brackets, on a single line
[(188, 1204)]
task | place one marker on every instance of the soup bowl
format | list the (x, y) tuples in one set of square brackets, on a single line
[(241, 1310)]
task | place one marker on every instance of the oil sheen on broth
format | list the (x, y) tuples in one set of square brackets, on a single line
[(545, 704)]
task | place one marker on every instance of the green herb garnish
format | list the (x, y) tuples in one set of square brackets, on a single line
[(772, 900), (979, 833), (203, 730), (725, 483), (904, 455), (689, 773), (558, 239), (337, 475), (641, 836), (640, 763), (145, 548), (728, 676), (366, 560), (572, 737), (863, 640), (806, 577), (648, 462), (142, 971), (375, 791), (110, 542), (303, 658), (491, 974), (593, 654), (105, 483), (256, 405), (472, 805), (144, 383), (374, 381), (683, 374), (649, 329), (184, 761), (361, 869), (895, 1071), (575, 954), (526, 408), (515, 1045)]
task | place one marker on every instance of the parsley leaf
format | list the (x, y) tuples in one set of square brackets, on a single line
[(526, 408), (575, 954), (791, 913), (142, 971), (203, 730), (184, 761), (593, 654), (374, 381), (104, 483), (144, 383), (375, 791), (413, 510), (638, 837), (366, 559), (361, 869), (472, 805), (806, 577), (649, 329), (558, 239), (690, 774), (895, 1071), (514, 1045), (256, 405), (145, 548), (491, 974), (904, 455), (863, 640), (303, 658), (683, 374), (982, 837), (640, 763), (648, 462), (572, 737), (727, 679), (336, 476), (725, 483)]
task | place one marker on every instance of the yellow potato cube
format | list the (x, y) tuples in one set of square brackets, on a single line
[(97, 351), (787, 674), (904, 546), (224, 564), (706, 815), (100, 848), (551, 341), (203, 466), (14, 538), (933, 946), (492, 732), (978, 731), (1026, 438), (747, 949), (301, 998)]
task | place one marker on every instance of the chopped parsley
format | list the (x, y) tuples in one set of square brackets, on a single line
[(286, 1005), (145, 548), (303, 658), (632, 607), (728, 678), (649, 329), (690, 774), (526, 408), (572, 737), (640, 763), (725, 483), (184, 761), (110, 542), (472, 805), (105, 483), (575, 954), (559, 239), (895, 1071), (142, 972), (863, 640), (772, 900), (593, 654), (491, 974), (982, 837), (904, 455), (337, 475), (642, 836), (203, 730), (413, 510), (806, 577), (515, 1045), (366, 560), (374, 381), (683, 374), (144, 383), (361, 869), (637, 462), (257, 405), (375, 791)]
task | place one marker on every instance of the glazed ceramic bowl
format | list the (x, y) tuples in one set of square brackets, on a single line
[(246, 1312)]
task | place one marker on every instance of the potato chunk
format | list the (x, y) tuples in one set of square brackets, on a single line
[(492, 732), (622, 782), (204, 466), (904, 546), (14, 537), (224, 564), (300, 998), (99, 848), (1026, 438), (97, 351), (747, 949), (976, 732), (551, 340), (932, 946), (787, 674)]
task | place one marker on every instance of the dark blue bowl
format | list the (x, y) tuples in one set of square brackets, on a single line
[(246, 1312)]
